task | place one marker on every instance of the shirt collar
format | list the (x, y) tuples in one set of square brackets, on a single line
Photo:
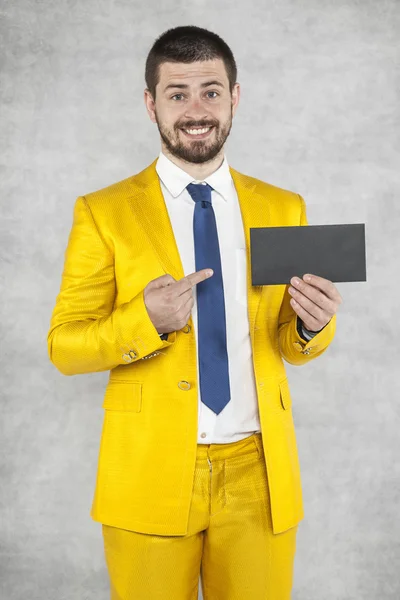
[(176, 179)]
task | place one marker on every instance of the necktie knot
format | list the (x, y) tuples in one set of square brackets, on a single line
[(200, 192)]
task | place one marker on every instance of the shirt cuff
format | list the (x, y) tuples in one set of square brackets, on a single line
[(308, 334), (303, 332)]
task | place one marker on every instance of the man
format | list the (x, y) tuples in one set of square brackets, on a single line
[(198, 470)]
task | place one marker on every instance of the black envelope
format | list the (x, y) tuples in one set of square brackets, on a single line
[(335, 252)]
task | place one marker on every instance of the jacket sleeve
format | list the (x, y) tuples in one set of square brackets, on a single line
[(86, 335), (294, 349)]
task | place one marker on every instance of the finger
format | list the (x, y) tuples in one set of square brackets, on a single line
[(308, 319), (188, 302), (311, 307), (312, 294), (325, 285), (187, 282), (185, 307), (162, 281)]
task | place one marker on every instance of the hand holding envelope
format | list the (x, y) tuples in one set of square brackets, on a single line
[(335, 252), (315, 300)]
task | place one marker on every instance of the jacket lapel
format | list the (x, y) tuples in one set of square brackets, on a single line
[(149, 207)]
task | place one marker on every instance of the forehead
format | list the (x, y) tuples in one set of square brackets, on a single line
[(191, 72)]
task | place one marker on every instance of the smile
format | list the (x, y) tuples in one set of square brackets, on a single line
[(198, 133)]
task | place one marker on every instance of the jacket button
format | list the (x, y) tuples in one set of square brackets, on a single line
[(307, 351), (127, 358), (132, 353), (186, 329), (184, 385)]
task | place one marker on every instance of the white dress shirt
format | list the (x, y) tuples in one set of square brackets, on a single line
[(240, 417)]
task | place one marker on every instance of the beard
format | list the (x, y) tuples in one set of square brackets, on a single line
[(192, 150)]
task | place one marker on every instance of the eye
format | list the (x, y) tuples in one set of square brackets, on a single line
[(210, 92)]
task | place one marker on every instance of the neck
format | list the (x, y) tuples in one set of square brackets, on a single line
[(198, 171)]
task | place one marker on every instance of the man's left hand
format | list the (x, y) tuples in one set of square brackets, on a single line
[(315, 300)]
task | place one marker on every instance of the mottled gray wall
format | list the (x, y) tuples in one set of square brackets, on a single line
[(318, 115)]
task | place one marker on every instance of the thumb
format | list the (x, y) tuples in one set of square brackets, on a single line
[(162, 281)]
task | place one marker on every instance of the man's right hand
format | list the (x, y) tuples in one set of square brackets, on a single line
[(169, 302)]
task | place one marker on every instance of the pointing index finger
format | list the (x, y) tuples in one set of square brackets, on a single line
[(198, 276), (193, 279)]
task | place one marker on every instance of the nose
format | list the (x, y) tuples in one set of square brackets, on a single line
[(195, 111)]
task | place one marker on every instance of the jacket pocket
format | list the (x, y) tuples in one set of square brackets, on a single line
[(123, 395), (286, 399)]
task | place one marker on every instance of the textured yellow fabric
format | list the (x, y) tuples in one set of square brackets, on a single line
[(229, 541), (121, 238)]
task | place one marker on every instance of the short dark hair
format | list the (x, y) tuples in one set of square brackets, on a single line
[(187, 44)]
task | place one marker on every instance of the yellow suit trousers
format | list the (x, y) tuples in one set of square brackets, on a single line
[(230, 544)]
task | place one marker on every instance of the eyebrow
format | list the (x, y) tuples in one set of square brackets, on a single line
[(183, 86)]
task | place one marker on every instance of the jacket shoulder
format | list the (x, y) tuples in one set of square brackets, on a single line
[(267, 187), (273, 192), (113, 192), (121, 189)]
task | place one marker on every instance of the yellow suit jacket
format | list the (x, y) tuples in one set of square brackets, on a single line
[(121, 238)]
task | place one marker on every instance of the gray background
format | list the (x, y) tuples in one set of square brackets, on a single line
[(318, 115)]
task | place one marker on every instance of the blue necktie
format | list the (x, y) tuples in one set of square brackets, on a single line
[(213, 355)]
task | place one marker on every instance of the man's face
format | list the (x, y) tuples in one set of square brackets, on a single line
[(183, 102)]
